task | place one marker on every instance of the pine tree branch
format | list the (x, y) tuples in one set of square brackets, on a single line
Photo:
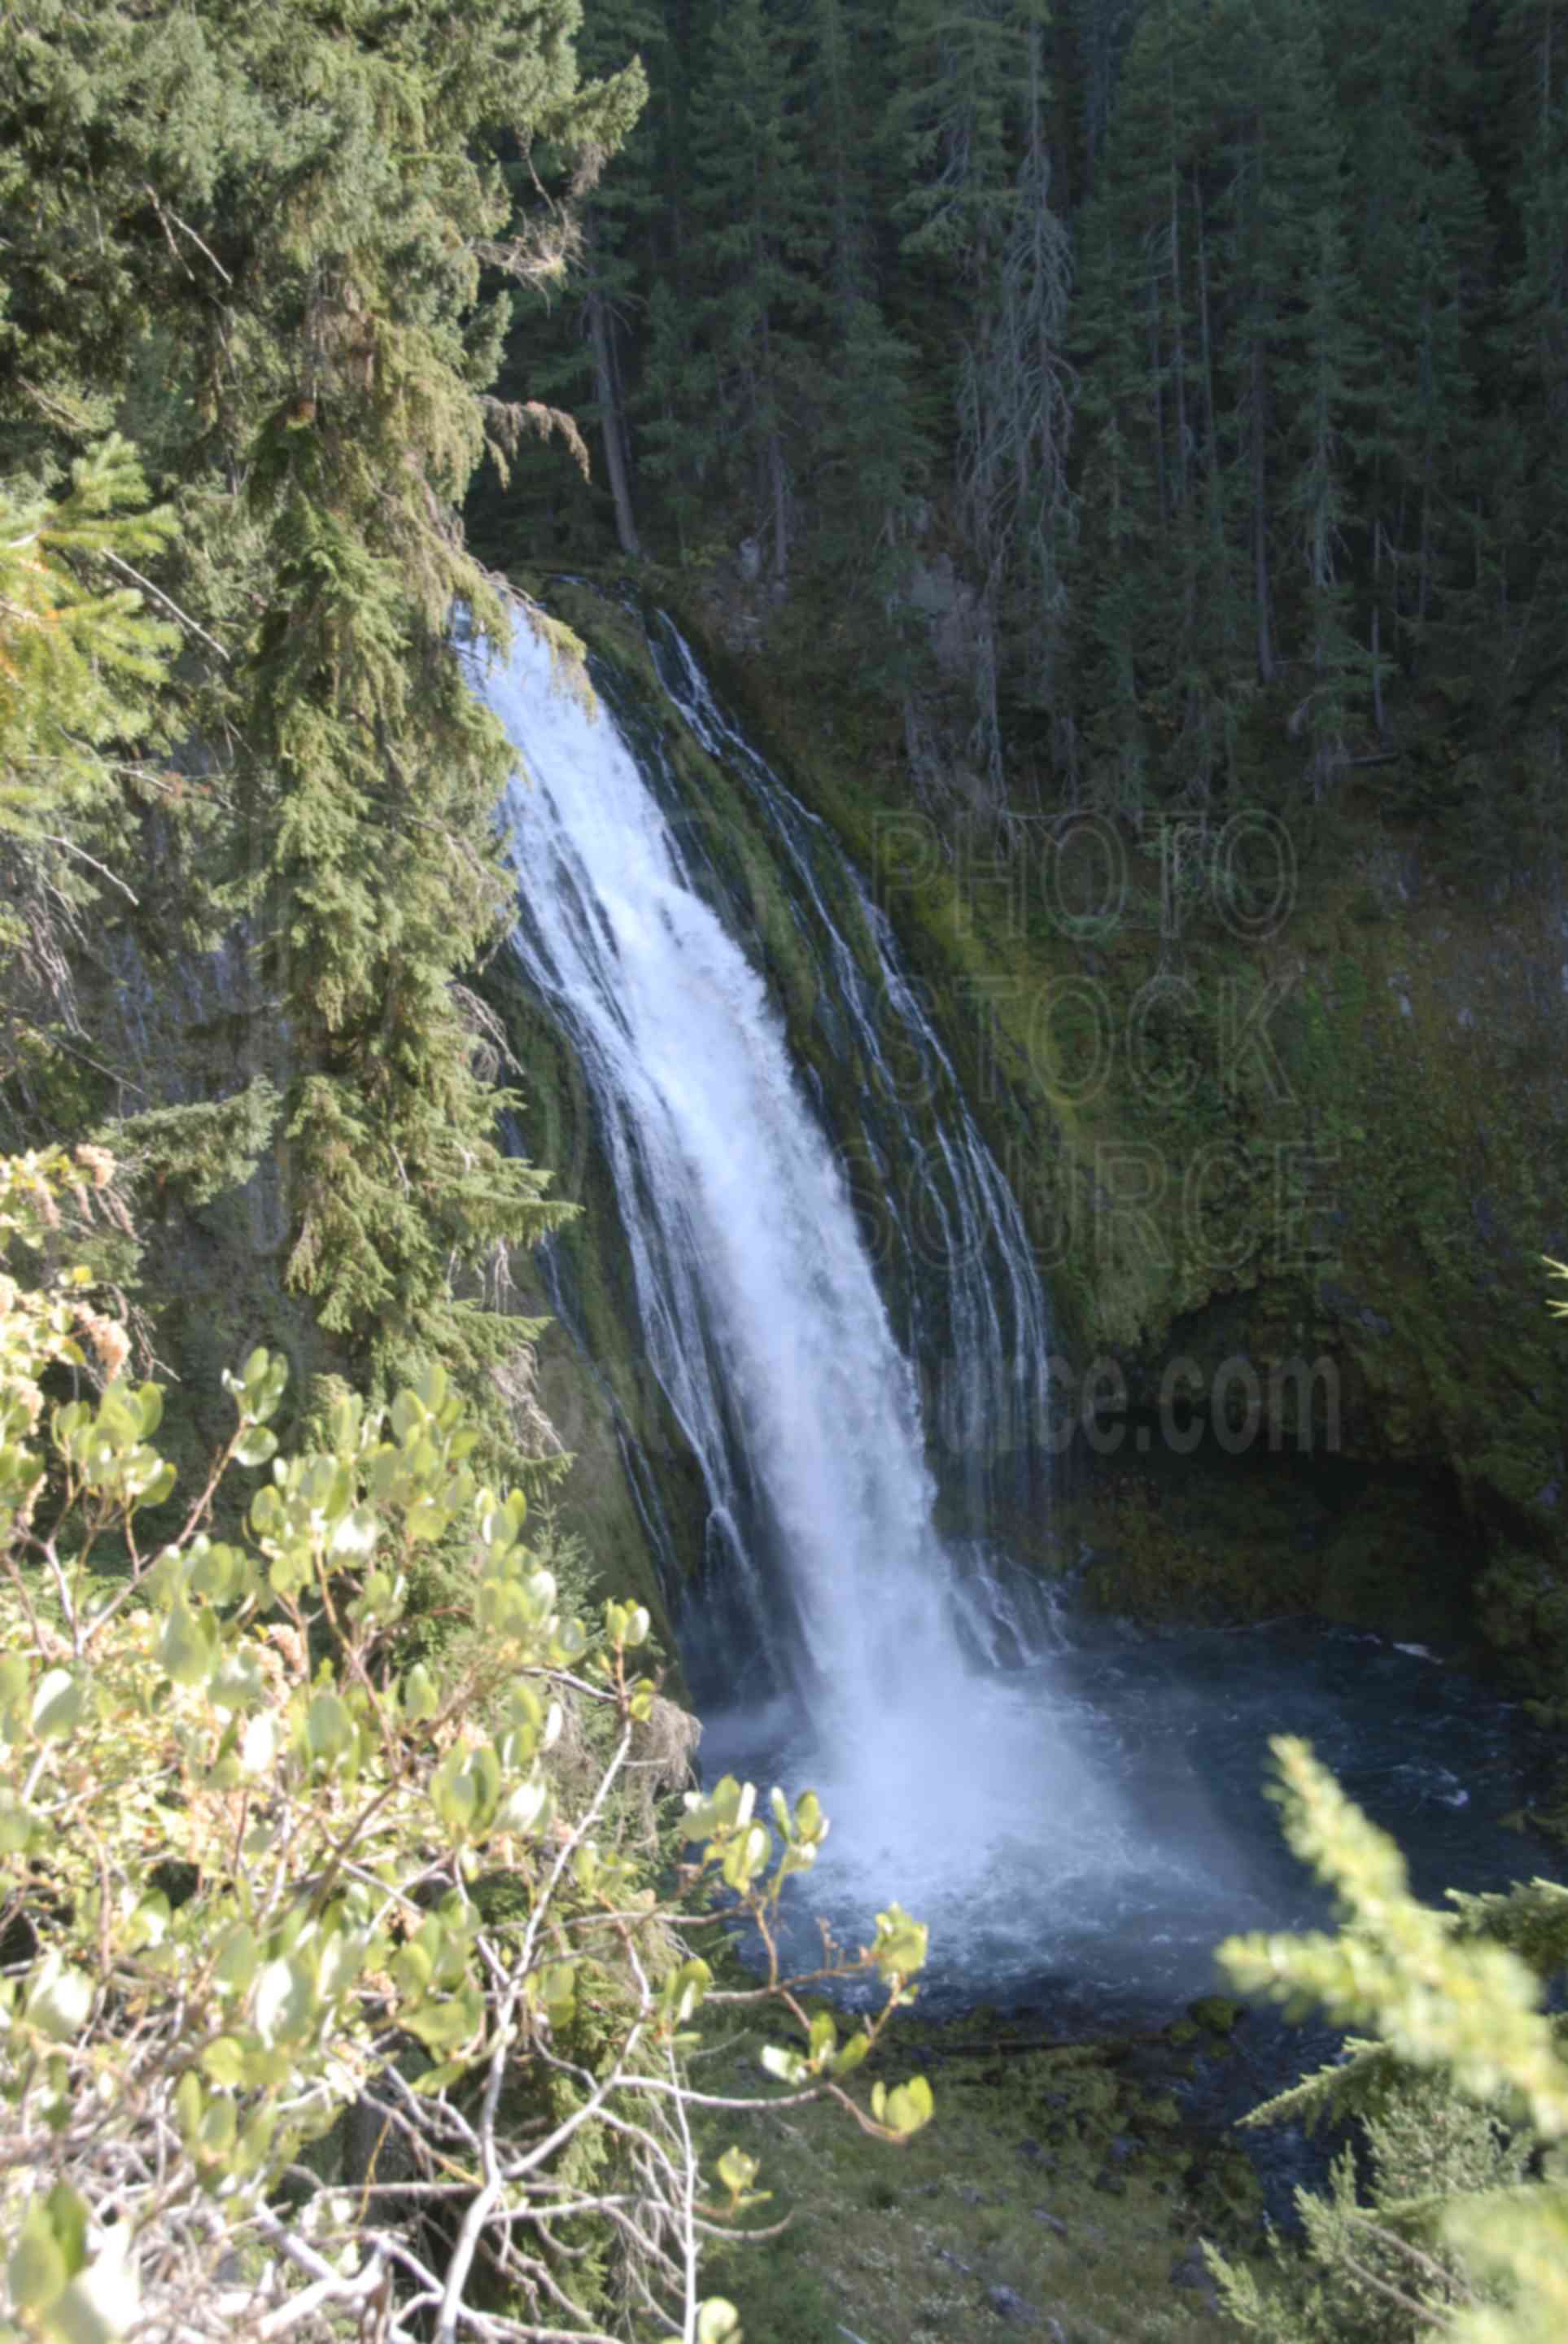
[(69, 846), (169, 604)]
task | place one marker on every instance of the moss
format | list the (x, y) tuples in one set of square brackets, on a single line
[(588, 1407), (1523, 1608), (1058, 2174), (1410, 1048), (1413, 1048)]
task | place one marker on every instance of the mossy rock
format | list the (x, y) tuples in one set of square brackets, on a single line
[(1216, 2014)]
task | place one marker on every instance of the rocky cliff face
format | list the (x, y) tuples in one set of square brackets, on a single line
[(187, 1077), (1285, 1094)]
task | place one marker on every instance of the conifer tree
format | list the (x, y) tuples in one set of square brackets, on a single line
[(80, 652), (960, 82), (1456, 2074), (1096, 33), (1111, 614), (81, 659), (1529, 92), (287, 217), (838, 62), (751, 272), (985, 275), (1323, 370), (1234, 382), (1166, 556), (1015, 417), (672, 441), (865, 450), (574, 340), (1419, 243)]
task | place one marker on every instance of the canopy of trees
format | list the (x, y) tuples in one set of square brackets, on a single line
[(1221, 342)]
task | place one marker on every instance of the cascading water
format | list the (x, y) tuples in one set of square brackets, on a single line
[(950, 1245), (756, 1299), (762, 1318), (974, 1312), (1089, 1819)]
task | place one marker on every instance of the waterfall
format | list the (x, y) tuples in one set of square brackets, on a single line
[(760, 1312), (756, 1299), (978, 1317), (1077, 1820)]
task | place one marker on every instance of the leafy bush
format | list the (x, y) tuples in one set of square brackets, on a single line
[(341, 1992)]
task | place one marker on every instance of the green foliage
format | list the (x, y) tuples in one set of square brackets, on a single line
[(1463, 2084), (1373, 2263), (268, 1882), (81, 663), (203, 1148), (748, 288), (284, 247), (79, 651), (1221, 346)]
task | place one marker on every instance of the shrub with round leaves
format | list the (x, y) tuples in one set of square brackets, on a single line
[(272, 1882)]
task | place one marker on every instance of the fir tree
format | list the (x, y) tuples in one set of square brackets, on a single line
[(1015, 417), (867, 452), (1530, 91), (1455, 2074), (303, 226), (81, 660), (749, 265), (1233, 383), (81, 654), (1112, 617), (1419, 244), (1166, 558), (575, 340)]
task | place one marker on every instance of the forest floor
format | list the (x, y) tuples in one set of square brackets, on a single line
[(1061, 2190)]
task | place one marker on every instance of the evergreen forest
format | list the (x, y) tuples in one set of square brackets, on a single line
[(1217, 349)]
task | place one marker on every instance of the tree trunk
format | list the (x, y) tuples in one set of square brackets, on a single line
[(1260, 520), (606, 391), (1377, 618), (778, 488)]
